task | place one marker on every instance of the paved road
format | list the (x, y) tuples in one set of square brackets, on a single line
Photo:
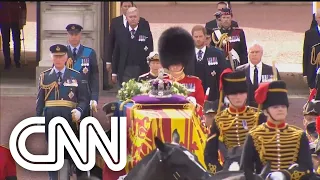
[(15, 109)]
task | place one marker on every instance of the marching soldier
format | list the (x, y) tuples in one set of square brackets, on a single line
[(276, 142), (7, 165), (231, 125), (231, 39), (154, 64), (175, 54), (61, 93), (84, 60)]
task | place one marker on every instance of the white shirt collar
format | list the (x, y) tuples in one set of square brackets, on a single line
[(62, 70), (202, 49), (318, 28), (259, 65), (134, 28), (124, 20), (71, 47)]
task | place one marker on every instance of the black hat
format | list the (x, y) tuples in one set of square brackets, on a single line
[(74, 28), (217, 14), (176, 46), (272, 94), (210, 107), (58, 49), (109, 108), (153, 56), (312, 108), (233, 82), (225, 11)]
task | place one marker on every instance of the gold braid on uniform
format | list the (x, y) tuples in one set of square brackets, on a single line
[(231, 127), (69, 63), (219, 43), (315, 60), (269, 149), (48, 88)]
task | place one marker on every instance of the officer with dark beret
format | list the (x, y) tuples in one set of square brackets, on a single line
[(61, 93), (84, 60)]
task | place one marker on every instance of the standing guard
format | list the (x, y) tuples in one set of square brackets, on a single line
[(231, 40), (176, 50), (231, 125), (8, 169), (276, 142), (61, 93), (154, 65), (84, 60)]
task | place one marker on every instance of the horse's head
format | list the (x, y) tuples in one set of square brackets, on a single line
[(179, 162)]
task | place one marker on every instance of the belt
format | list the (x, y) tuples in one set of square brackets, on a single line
[(63, 103)]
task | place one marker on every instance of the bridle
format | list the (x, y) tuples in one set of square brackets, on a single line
[(173, 171)]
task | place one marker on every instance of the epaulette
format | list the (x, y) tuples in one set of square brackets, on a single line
[(316, 45), (74, 70), (46, 70), (295, 127), (145, 74)]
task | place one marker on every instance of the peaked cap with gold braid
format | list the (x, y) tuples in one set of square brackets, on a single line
[(272, 94)]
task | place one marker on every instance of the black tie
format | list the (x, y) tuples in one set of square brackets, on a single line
[(59, 77), (255, 76), (74, 53), (200, 55)]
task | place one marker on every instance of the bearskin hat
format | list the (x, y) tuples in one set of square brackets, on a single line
[(176, 46)]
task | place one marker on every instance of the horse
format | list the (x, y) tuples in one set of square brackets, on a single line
[(169, 161)]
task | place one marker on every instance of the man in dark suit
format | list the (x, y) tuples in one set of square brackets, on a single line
[(132, 49), (311, 49), (256, 72), (313, 22), (216, 22), (234, 42), (12, 17), (207, 64), (116, 30), (84, 60)]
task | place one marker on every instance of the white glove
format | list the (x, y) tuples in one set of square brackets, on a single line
[(234, 166), (76, 114), (93, 105), (276, 176), (192, 100)]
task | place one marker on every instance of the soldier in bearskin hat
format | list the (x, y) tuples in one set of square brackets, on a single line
[(176, 49), (276, 142), (233, 123)]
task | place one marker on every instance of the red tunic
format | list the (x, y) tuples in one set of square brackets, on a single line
[(7, 164), (195, 88)]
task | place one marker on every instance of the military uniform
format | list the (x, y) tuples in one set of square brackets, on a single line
[(234, 41), (311, 56), (153, 56), (280, 144), (7, 164), (231, 125), (171, 55), (61, 93), (84, 60)]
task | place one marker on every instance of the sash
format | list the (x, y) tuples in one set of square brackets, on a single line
[(78, 64)]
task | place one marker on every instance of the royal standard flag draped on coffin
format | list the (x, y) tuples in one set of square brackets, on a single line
[(146, 123)]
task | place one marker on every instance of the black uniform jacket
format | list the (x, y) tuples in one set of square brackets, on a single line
[(208, 70), (282, 147), (312, 37)]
